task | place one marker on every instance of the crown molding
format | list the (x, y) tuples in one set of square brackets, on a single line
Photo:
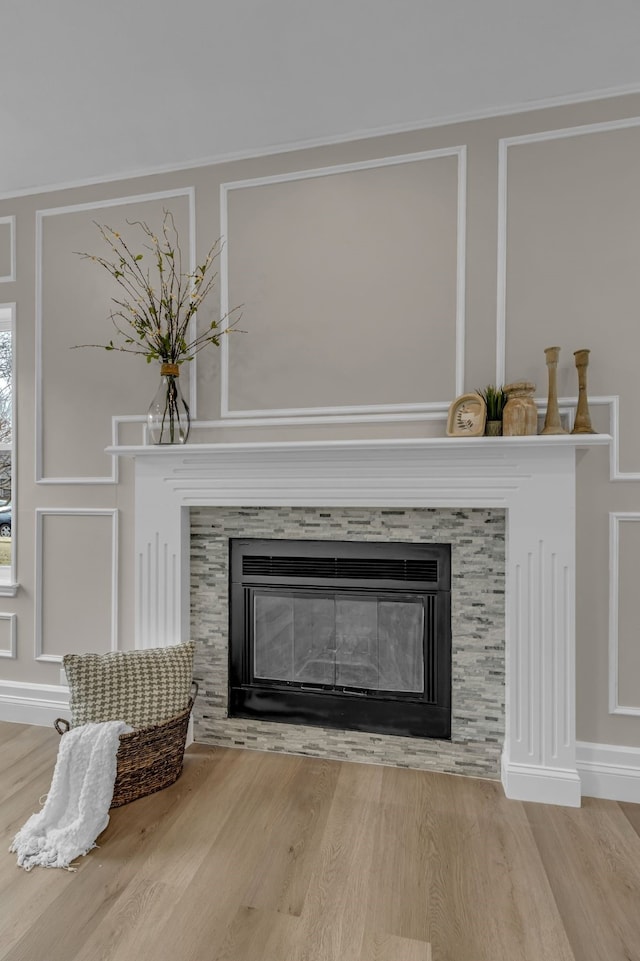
[(249, 153)]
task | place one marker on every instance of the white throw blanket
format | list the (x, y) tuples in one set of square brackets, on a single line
[(76, 810)]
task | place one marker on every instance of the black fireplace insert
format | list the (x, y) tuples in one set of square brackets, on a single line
[(341, 634)]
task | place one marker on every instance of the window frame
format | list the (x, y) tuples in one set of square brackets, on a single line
[(8, 583)]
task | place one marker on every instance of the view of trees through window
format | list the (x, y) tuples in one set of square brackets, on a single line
[(5, 413), (6, 435)]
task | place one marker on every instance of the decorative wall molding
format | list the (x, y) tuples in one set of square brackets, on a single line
[(609, 771), (365, 413), (616, 518), (612, 403), (503, 147), (400, 413), (249, 422), (41, 513), (189, 193), (501, 314), (11, 276), (12, 650), (25, 703), (615, 474), (396, 416)]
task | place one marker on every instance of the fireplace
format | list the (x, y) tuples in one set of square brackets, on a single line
[(341, 634), (531, 479), (477, 545)]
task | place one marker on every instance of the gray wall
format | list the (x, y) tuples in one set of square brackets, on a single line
[(358, 292)]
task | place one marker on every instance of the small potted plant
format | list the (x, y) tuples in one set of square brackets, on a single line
[(495, 399)]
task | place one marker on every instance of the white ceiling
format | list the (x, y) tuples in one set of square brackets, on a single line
[(94, 89)]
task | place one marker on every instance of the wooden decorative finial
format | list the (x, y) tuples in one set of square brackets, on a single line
[(552, 422), (582, 423)]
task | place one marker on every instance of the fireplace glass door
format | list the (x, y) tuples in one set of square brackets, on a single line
[(353, 635), (339, 641)]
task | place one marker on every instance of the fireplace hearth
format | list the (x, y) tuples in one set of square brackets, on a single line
[(342, 634)]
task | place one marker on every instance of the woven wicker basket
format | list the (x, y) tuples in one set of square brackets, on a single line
[(150, 758)]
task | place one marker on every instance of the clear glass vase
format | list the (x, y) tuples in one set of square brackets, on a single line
[(169, 420)]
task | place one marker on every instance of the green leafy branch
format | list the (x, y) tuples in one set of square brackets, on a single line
[(159, 300)]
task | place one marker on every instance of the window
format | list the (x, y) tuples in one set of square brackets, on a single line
[(7, 553)]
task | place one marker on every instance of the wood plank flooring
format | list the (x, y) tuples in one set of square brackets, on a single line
[(265, 857)]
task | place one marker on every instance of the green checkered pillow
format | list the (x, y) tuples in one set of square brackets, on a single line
[(142, 687)]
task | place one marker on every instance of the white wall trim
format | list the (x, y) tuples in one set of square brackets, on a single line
[(616, 518), (609, 771), (501, 301), (113, 478), (389, 417), (11, 276), (615, 474), (612, 402), (373, 412), (12, 651), (41, 513), (26, 703), (484, 113), (526, 782), (353, 416), (189, 193), (503, 146)]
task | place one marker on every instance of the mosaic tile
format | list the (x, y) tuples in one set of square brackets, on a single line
[(477, 620)]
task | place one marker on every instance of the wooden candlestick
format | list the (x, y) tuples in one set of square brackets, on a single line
[(552, 422), (582, 423)]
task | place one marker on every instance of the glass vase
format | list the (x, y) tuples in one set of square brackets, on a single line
[(169, 420)]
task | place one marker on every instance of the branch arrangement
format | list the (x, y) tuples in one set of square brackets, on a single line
[(159, 300)]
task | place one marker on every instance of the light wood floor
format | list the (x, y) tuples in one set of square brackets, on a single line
[(262, 857)]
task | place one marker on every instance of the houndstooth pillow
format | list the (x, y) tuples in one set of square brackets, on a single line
[(142, 687)]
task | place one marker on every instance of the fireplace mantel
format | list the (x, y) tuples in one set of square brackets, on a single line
[(532, 478)]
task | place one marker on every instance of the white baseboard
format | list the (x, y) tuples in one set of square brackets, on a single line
[(531, 782), (609, 771), (41, 704)]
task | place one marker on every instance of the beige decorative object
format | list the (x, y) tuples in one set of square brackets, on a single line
[(552, 422), (582, 423), (467, 416), (520, 416)]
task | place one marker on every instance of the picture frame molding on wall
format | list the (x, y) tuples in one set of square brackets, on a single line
[(11, 276), (362, 413)]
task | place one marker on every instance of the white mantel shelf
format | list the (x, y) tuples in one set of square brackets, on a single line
[(417, 443), (532, 478)]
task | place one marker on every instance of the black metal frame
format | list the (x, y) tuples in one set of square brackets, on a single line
[(426, 714)]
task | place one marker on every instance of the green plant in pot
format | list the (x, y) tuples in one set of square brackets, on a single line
[(495, 399)]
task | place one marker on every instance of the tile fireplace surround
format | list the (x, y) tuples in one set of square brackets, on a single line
[(532, 478)]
